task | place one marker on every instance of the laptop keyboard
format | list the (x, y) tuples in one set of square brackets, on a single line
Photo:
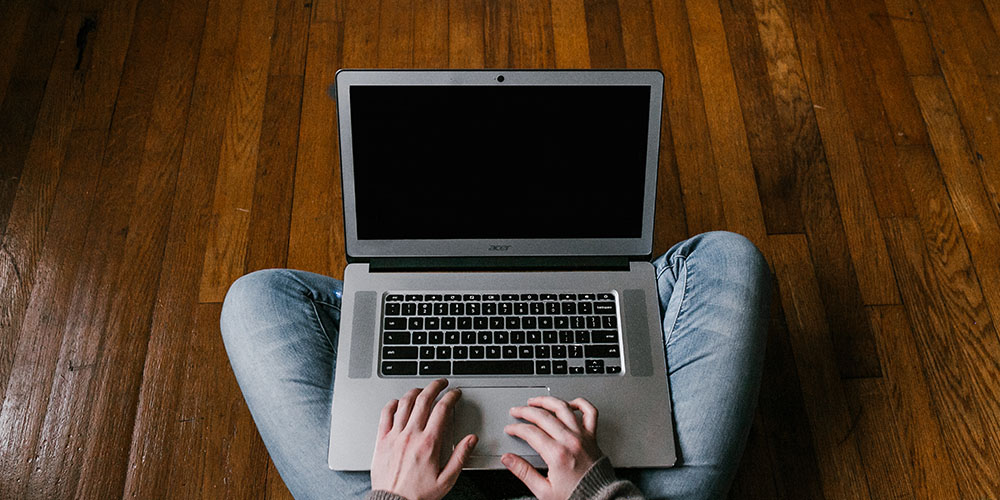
[(500, 334)]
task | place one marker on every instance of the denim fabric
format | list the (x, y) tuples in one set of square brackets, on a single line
[(280, 330)]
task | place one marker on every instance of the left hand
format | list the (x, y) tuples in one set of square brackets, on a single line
[(408, 447)]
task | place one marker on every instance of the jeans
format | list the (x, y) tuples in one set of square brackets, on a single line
[(280, 330)]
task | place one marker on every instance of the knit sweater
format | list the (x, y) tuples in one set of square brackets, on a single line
[(599, 483)]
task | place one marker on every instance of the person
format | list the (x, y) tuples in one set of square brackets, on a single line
[(280, 331)]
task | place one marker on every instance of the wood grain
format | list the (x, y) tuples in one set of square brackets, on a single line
[(808, 326), (465, 34), (737, 185), (914, 41), (905, 389), (957, 342), (225, 256), (395, 35), (972, 205), (316, 238), (878, 439), (430, 34), (569, 34), (531, 40), (822, 217), (497, 35), (604, 32), (682, 92)]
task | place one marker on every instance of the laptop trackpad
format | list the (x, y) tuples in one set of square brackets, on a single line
[(485, 411)]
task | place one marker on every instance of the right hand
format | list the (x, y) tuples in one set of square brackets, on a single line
[(567, 444)]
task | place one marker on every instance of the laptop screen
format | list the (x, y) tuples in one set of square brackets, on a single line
[(450, 162)]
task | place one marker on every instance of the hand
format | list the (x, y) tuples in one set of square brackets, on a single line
[(407, 450), (566, 443)]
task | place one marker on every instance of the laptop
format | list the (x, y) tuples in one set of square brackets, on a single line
[(499, 229)]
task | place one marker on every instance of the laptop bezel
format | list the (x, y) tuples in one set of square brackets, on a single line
[(365, 250)]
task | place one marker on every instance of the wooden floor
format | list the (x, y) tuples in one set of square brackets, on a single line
[(152, 151)]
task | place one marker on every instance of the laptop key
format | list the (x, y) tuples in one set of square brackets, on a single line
[(543, 367), (595, 366), (399, 353), (559, 367), (604, 307), (613, 369), (435, 367), (396, 338), (395, 324), (399, 368), (576, 370), (477, 352), (604, 337), (506, 367), (427, 352), (602, 351), (509, 352)]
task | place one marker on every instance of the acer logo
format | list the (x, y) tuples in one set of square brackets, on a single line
[(499, 248)]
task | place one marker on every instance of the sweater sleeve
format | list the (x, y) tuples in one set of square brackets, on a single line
[(382, 495), (600, 483)]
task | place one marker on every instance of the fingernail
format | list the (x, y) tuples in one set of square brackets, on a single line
[(505, 460)]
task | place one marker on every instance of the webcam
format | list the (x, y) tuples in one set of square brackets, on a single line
[(500, 78)]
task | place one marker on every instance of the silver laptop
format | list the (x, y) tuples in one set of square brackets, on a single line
[(499, 226)]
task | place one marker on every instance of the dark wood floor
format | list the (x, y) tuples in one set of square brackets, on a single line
[(152, 151)]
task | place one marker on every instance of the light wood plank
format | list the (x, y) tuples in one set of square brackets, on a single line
[(316, 236), (531, 41), (737, 185), (395, 35), (430, 34), (465, 34), (225, 256), (569, 34), (497, 34)]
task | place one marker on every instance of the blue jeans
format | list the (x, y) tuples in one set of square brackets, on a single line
[(280, 329)]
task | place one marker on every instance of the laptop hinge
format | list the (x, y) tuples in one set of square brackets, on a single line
[(579, 263)]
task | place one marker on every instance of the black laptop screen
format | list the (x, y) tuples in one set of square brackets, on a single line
[(499, 162)]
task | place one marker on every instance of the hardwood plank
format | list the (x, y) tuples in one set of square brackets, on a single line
[(327, 10), (874, 95), (682, 93), (977, 114), (971, 202), (865, 27), (360, 34), (824, 228), (569, 34), (231, 451), (857, 207), (267, 239), (980, 39), (118, 382), (783, 414), (737, 185), (96, 278), (108, 44), (905, 390), (430, 34), (316, 236), (225, 256), (465, 34), (641, 52), (159, 455), (770, 150), (914, 41), (531, 39), (878, 441), (958, 347), (32, 374), (32, 205), (497, 52), (830, 421), (12, 33), (604, 31), (288, 44), (395, 34)]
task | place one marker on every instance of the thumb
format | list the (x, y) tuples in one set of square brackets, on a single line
[(527, 473), (449, 474)]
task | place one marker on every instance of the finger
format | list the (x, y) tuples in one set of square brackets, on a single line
[(403, 410), (537, 439), (589, 414), (449, 474), (543, 419), (442, 410), (560, 408), (424, 402), (526, 473), (385, 418)]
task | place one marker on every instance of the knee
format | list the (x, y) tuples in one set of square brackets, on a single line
[(735, 251), (248, 297)]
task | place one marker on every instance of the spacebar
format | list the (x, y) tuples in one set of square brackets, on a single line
[(526, 367)]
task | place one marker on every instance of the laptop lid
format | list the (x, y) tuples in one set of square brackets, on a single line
[(488, 163)]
